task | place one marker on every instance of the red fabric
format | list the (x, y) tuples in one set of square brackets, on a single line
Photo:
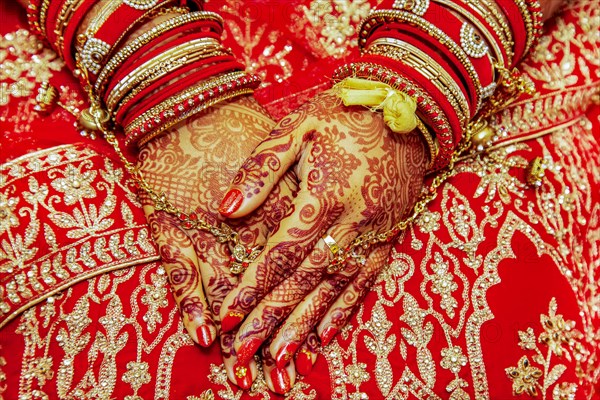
[(549, 256)]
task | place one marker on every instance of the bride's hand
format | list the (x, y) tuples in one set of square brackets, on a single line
[(193, 165), (355, 175)]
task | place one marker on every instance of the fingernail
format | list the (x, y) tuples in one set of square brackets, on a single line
[(205, 335), (285, 354), (281, 380), (248, 349), (231, 203), (327, 335), (243, 375), (231, 320), (304, 363)]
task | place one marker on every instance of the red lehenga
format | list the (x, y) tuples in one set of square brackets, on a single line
[(493, 293)]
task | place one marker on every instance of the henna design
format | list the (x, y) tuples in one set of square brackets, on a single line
[(341, 146)]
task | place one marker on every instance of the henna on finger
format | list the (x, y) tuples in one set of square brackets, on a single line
[(342, 309), (307, 354)]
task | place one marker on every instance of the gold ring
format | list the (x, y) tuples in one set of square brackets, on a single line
[(332, 244)]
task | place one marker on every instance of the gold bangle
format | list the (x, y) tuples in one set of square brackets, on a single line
[(151, 79), (144, 39), (417, 59), (490, 11), (379, 16), (168, 104), (93, 52), (64, 16), (160, 65), (431, 143)]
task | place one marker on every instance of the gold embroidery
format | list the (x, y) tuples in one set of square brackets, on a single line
[(334, 24), (66, 192), (557, 334)]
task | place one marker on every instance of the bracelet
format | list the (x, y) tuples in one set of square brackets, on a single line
[(379, 17), (501, 53), (492, 14), (151, 85), (225, 64), (426, 105), (109, 27), (418, 60), (159, 66), (430, 141), (178, 24), (67, 20), (187, 103)]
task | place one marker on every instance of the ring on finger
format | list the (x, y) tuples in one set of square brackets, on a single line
[(334, 247)]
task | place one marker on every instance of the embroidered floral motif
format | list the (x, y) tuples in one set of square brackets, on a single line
[(561, 339), (335, 23), (66, 198), (525, 377)]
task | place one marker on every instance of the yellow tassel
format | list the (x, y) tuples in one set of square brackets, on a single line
[(398, 108)]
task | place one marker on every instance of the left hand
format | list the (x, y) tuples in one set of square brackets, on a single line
[(355, 175)]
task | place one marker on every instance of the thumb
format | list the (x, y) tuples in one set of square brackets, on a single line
[(259, 174)]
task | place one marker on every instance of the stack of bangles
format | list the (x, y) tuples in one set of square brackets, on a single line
[(448, 56), (174, 69)]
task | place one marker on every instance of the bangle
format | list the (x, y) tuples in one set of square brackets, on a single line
[(493, 39), (172, 26), (191, 101), (492, 14), (133, 108), (427, 107), (68, 19), (108, 28), (430, 141), (379, 17), (166, 62), (413, 57)]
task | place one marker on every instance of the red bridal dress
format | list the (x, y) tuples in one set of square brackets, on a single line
[(493, 294)]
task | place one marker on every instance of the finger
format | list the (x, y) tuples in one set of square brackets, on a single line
[(308, 313), (262, 170), (279, 380), (243, 375), (284, 298), (181, 265), (306, 357), (341, 310), (287, 247)]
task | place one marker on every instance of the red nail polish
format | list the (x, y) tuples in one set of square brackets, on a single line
[(231, 203), (304, 362), (248, 349), (205, 335), (243, 375), (231, 320), (327, 335), (285, 354), (281, 380)]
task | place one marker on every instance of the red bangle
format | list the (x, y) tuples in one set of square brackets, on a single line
[(445, 60), (194, 100), (418, 78), (70, 29), (181, 24), (383, 18), (134, 62), (140, 104), (432, 114), (517, 25), (102, 36)]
